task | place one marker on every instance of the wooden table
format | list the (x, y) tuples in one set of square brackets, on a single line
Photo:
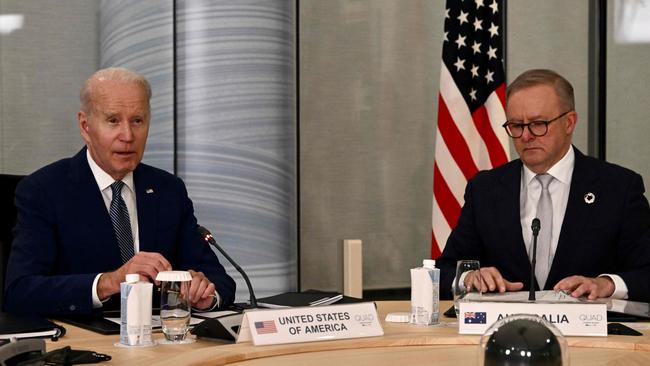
[(402, 344)]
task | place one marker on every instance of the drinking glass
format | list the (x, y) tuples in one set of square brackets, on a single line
[(461, 287), (175, 307)]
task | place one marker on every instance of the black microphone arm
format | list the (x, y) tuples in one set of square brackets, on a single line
[(208, 238), (535, 227)]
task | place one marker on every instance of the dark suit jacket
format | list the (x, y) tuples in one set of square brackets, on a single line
[(608, 236), (64, 236)]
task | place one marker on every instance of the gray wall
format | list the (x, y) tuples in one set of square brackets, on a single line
[(369, 74), (627, 93), (42, 67), (552, 34), (368, 80)]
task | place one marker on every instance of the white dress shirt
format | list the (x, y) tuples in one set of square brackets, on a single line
[(530, 193), (104, 182)]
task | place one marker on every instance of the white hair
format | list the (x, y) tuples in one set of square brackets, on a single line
[(119, 74)]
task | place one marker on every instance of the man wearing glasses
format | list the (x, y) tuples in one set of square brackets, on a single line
[(593, 238)]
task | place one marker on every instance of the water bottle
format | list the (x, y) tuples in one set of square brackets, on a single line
[(425, 293), (135, 312)]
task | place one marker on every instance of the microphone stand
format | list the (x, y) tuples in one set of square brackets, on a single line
[(208, 238), (227, 326), (535, 227)]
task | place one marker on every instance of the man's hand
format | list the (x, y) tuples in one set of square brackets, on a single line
[(146, 264), (490, 279), (202, 291), (593, 288)]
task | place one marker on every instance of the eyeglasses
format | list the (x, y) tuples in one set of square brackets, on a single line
[(537, 128)]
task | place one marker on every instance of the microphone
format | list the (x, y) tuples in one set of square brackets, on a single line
[(208, 238), (226, 326), (535, 226)]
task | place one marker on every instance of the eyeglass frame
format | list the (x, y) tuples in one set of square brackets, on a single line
[(522, 125)]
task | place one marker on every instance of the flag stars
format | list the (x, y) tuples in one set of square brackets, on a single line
[(446, 39), (460, 64), (472, 94), (446, 13), (479, 3), (476, 47), (460, 41), (474, 71), (494, 6), (463, 17), (492, 53), (478, 24), (489, 77), (494, 30)]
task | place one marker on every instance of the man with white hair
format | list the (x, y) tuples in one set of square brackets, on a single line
[(85, 222)]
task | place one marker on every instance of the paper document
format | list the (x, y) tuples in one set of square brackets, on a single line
[(522, 296), (289, 300), (214, 314), (155, 321)]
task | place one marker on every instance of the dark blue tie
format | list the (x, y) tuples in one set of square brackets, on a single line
[(121, 223)]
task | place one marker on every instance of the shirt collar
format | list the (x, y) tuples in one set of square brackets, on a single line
[(103, 179), (562, 170)]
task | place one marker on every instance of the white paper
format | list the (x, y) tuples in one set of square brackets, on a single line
[(156, 323), (522, 296)]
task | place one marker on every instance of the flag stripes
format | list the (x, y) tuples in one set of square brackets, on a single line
[(471, 100)]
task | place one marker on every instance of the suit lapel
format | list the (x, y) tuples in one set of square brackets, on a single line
[(147, 201), (88, 206), (577, 214), (507, 209)]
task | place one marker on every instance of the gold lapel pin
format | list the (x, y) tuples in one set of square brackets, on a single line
[(590, 198)]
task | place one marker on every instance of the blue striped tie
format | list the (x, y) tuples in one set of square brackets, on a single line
[(121, 223)]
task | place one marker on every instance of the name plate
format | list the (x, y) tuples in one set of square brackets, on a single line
[(572, 319), (310, 324)]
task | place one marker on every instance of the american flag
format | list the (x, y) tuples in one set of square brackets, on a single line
[(266, 327), (479, 317), (469, 136)]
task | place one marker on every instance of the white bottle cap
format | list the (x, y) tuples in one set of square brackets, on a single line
[(429, 263), (132, 278), (174, 276)]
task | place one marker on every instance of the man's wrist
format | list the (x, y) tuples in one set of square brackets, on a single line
[(216, 302), (608, 285), (107, 285)]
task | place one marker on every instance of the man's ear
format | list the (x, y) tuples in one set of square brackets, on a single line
[(84, 127), (572, 120)]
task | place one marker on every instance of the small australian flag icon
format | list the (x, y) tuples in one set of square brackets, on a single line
[(478, 317)]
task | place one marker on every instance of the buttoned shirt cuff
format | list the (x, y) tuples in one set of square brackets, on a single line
[(620, 288), (215, 303), (461, 281), (97, 303)]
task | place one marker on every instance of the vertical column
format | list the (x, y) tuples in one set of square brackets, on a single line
[(236, 131), (139, 35)]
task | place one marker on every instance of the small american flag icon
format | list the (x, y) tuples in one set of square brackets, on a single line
[(478, 317), (266, 327)]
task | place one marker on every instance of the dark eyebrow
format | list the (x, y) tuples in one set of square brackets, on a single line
[(538, 118)]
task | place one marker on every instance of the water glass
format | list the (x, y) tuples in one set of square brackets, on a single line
[(175, 306), (462, 287)]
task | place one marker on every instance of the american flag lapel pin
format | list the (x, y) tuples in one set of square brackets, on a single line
[(149, 190)]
